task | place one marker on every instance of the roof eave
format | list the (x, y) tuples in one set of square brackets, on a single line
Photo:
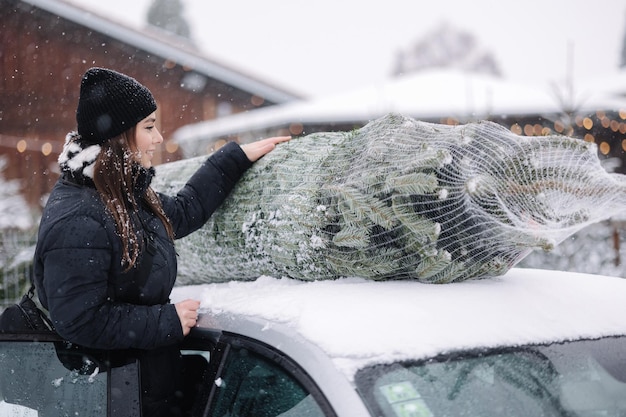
[(162, 47)]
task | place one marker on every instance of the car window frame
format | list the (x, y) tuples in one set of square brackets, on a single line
[(221, 344), (123, 378)]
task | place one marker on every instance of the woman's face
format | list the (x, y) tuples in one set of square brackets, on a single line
[(147, 137)]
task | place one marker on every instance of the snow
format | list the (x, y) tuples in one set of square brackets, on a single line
[(16, 410), (358, 322)]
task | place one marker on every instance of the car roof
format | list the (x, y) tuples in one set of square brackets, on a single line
[(357, 322)]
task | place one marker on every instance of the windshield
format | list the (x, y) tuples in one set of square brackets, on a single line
[(582, 378)]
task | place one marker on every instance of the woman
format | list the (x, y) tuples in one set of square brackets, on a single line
[(105, 261)]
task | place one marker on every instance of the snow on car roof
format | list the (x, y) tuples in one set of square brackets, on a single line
[(359, 322)]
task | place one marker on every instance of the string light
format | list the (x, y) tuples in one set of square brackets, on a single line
[(171, 146), (46, 148), (296, 128), (605, 148), (21, 146), (559, 126), (257, 100), (516, 128)]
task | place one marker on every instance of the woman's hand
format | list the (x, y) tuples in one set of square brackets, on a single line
[(187, 311), (255, 150)]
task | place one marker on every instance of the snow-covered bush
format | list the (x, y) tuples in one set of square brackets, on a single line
[(16, 238)]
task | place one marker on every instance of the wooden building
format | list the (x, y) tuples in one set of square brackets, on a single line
[(47, 45)]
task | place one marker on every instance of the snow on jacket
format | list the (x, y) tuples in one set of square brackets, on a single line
[(78, 271)]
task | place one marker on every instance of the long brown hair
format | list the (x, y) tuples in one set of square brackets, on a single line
[(115, 180)]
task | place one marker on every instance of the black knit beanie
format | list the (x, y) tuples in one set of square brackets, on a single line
[(110, 103)]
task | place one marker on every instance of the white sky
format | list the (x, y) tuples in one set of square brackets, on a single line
[(324, 46)]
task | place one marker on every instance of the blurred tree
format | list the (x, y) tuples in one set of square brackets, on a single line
[(17, 239), (446, 47), (14, 211), (168, 15), (623, 60)]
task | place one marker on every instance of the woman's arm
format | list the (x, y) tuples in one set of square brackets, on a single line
[(209, 186)]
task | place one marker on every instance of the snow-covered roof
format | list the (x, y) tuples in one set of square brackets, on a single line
[(165, 46), (422, 95), (612, 85), (359, 322)]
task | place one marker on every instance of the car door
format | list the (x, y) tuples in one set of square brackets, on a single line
[(247, 378), (41, 375)]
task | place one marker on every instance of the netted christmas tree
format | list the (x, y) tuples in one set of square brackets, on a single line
[(398, 199)]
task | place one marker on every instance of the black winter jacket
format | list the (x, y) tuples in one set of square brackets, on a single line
[(78, 272)]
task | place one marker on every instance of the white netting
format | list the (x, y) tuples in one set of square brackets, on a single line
[(398, 199)]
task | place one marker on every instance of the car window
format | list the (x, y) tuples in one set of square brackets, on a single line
[(584, 378), (252, 385), (35, 380)]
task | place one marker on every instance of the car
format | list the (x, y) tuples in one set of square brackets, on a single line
[(531, 342)]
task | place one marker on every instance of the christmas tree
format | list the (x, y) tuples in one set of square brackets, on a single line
[(398, 199)]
